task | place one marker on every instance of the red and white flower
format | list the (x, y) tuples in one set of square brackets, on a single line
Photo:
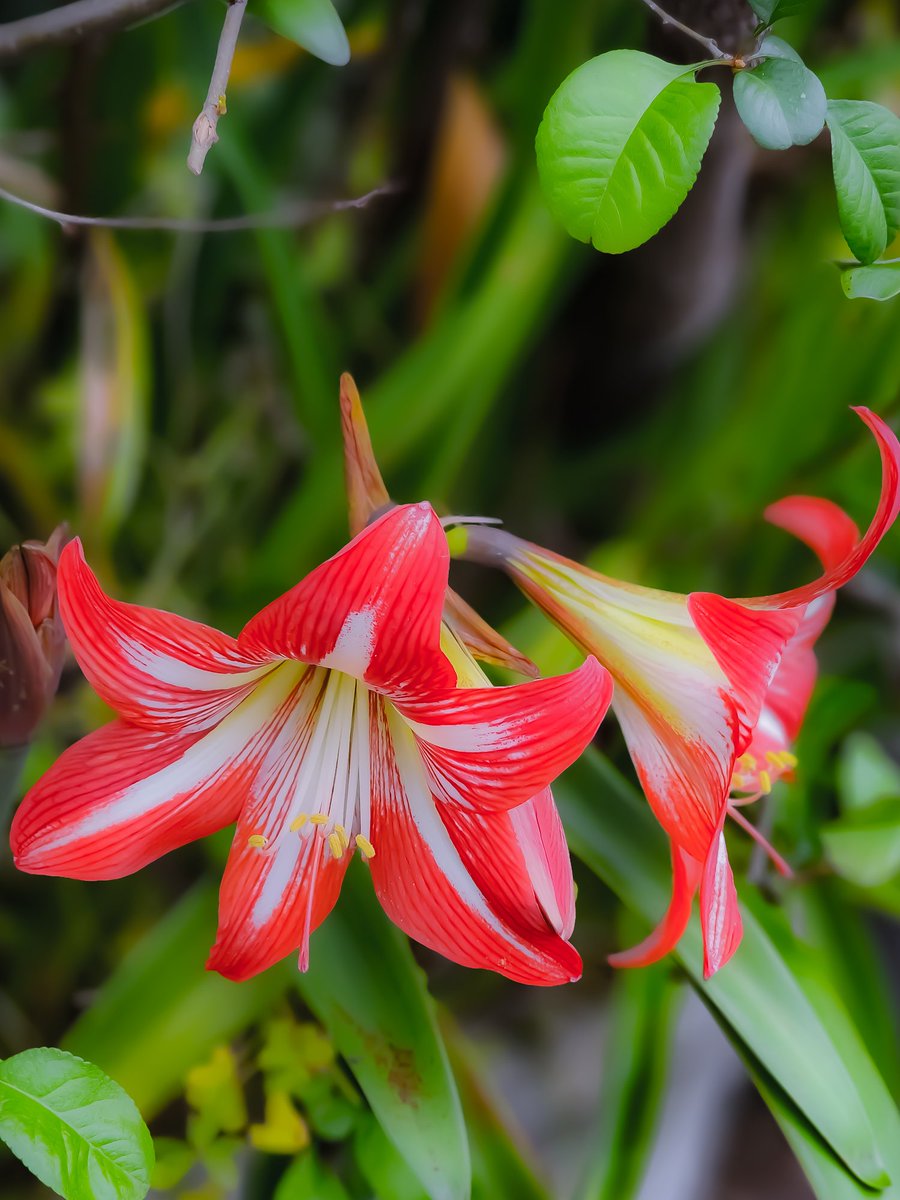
[(333, 721), (692, 675)]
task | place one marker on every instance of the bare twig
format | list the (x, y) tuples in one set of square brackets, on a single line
[(69, 22), (709, 44), (290, 217), (204, 135)]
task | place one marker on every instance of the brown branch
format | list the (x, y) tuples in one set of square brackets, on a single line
[(70, 22), (290, 217), (711, 46), (204, 135)]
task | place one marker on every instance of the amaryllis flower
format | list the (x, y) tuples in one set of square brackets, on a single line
[(332, 723), (691, 674), (32, 642)]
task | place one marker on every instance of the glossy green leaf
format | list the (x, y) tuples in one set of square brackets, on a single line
[(612, 830), (74, 1127), (634, 1068), (162, 995), (865, 156), (620, 146), (781, 102), (865, 772), (313, 24), (879, 281), (363, 984), (773, 10), (864, 845)]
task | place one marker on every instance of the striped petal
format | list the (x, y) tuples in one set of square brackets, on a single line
[(452, 891), (720, 916), (686, 875), (496, 747), (373, 611), (154, 668), (125, 795), (542, 844)]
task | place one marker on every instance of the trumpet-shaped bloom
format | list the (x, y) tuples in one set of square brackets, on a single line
[(333, 722), (692, 675)]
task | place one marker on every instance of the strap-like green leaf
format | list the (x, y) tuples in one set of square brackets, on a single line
[(365, 987), (313, 24), (865, 156), (780, 101), (614, 833), (74, 1127), (620, 146), (878, 281)]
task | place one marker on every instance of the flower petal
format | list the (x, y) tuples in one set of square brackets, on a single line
[(499, 746), (426, 878), (542, 842), (125, 795), (828, 531), (154, 668), (856, 554), (686, 874), (373, 611), (720, 915), (481, 640)]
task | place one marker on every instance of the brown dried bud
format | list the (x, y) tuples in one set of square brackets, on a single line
[(32, 638)]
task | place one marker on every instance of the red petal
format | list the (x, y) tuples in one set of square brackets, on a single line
[(499, 746), (686, 873), (373, 611), (272, 899), (154, 668), (446, 892), (838, 573), (76, 820), (124, 795), (542, 841), (481, 640), (822, 525), (720, 915), (748, 645)]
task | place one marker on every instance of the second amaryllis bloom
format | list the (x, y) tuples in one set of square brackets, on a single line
[(692, 676), (332, 723)]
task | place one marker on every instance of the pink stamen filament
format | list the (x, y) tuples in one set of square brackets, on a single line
[(781, 865)]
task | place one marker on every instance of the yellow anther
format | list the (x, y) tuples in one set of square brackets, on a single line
[(765, 782), (319, 819), (342, 834), (298, 822), (773, 758), (747, 762), (335, 843), (365, 846), (257, 841), (788, 760)]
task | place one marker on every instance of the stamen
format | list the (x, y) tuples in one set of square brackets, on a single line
[(342, 834), (257, 840), (365, 846), (298, 822), (765, 782), (781, 865), (789, 761), (319, 819), (747, 762), (335, 843), (773, 758)]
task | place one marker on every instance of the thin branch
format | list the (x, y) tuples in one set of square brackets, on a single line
[(70, 22), (290, 217), (708, 43), (204, 135)]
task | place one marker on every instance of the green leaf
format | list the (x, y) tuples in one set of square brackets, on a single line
[(865, 157), (161, 995), (773, 10), (878, 281), (307, 1179), (635, 1065), (313, 24), (363, 984), (781, 101), (865, 773), (74, 1127), (864, 845), (612, 830), (620, 146)]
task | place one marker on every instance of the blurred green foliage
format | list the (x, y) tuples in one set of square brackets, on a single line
[(174, 397)]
